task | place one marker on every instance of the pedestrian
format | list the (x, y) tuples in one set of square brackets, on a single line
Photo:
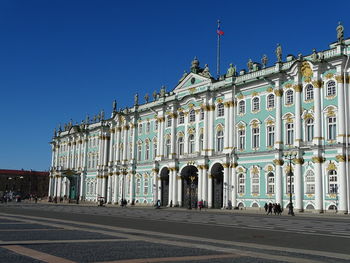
[(200, 205), (266, 207), (274, 208), (270, 209), (279, 209)]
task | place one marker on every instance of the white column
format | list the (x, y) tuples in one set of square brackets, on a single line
[(125, 142), (211, 129), (206, 129), (205, 184), (103, 188), (226, 174), (298, 182), (173, 136), (109, 188), (171, 185), (117, 152), (132, 195), (278, 182), (227, 128), (210, 191), (79, 143), (318, 118), (179, 190), (200, 182), (197, 134), (116, 188), (174, 196), (298, 124), (341, 111), (161, 138), (278, 141), (232, 125), (82, 186), (69, 154), (50, 185), (111, 142), (342, 194), (234, 184), (133, 140), (59, 186), (318, 183)]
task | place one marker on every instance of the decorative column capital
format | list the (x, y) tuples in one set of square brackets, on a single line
[(340, 158), (278, 162), (298, 88), (317, 84), (226, 165), (298, 160), (318, 159), (278, 92)]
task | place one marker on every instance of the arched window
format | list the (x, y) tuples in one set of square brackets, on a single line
[(201, 142), (331, 88), (147, 151), (256, 104), (270, 135), (181, 118), (241, 107), (88, 188), (309, 92), (92, 188), (220, 110), (289, 97), (139, 152), (270, 101), (332, 128), (191, 143), (255, 137), (270, 183), (154, 148), (310, 182), (192, 116), (255, 183), (219, 141), (145, 186), (167, 147), (309, 130), (155, 125), (121, 147), (332, 182), (288, 183), (241, 139), (202, 114), (138, 186), (140, 128), (180, 144), (241, 183), (289, 133), (148, 127), (168, 123)]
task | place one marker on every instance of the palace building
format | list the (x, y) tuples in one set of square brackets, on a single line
[(248, 138)]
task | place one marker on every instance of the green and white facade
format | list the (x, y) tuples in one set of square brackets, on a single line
[(221, 141)]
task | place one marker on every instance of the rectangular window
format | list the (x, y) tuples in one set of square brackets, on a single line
[(255, 133), (241, 139), (332, 128), (270, 136)]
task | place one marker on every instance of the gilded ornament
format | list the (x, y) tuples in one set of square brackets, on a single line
[(317, 83), (278, 92), (298, 160), (340, 158), (306, 71), (254, 94), (288, 85), (329, 75), (219, 100), (318, 159), (190, 106), (255, 170), (278, 162), (192, 90), (269, 89), (298, 88), (339, 79), (269, 168), (226, 165), (331, 166), (240, 170), (240, 96)]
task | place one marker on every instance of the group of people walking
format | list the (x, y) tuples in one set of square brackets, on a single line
[(276, 208)]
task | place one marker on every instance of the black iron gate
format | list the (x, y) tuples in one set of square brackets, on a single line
[(165, 191), (190, 192), (217, 191)]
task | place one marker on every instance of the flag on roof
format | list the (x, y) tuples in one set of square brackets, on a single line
[(219, 31)]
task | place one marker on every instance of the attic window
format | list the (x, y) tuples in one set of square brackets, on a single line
[(193, 80)]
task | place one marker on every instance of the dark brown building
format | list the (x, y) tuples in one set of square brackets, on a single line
[(24, 182)]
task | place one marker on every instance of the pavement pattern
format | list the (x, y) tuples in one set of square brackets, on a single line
[(29, 234)]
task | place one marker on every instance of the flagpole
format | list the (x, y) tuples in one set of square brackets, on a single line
[(218, 53)]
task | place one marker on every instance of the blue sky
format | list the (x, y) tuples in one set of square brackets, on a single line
[(61, 60)]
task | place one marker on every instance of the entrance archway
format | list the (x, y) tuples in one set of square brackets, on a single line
[(189, 176), (217, 185), (164, 179)]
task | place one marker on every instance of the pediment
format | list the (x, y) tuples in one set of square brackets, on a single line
[(192, 80)]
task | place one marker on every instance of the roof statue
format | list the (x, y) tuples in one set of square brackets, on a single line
[(114, 106), (231, 71), (314, 55), (154, 95), (264, 61), (250, 65), (162, 91), (126, 110), (59, 128), (94, 118), (54, 132), (340, 33), (300, 56), (87, 119), (279, 53), (136, 99), (183, 76), (206, 72), (102, 115), (146, 97), (195, 65)]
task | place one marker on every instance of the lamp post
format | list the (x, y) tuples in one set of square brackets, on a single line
[(154, 194), (335, 191), (227, 188), (290, 156)]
